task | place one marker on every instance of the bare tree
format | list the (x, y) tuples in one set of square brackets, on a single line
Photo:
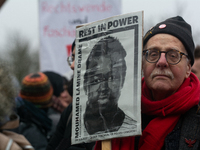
[(21, 59)]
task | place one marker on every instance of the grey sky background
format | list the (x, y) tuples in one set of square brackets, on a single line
[(22, 16)]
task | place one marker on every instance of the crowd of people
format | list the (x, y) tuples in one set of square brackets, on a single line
[(32, 116), (41, 114)]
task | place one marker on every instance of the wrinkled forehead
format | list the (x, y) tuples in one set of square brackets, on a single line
[(163, 39)]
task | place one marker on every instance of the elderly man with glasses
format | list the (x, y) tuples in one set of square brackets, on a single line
[(170, 92)]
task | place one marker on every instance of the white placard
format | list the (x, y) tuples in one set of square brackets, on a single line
[(107, 79)]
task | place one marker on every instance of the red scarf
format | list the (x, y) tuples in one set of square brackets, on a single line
[(168, 112)]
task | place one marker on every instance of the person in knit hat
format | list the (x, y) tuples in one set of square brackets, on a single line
[(33, 104), (37, 89), (60, 98), (170, 91)]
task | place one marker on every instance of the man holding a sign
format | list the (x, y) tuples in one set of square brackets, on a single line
[(170, 92)]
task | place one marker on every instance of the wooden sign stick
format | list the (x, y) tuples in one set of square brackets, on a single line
[(106, 145)]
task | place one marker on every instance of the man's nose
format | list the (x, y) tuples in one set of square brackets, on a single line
[(162, 62), (104, 86)]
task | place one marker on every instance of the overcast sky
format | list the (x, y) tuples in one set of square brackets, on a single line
[(22, 16)]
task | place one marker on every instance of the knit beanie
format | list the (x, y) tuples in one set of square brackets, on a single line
[(37, 89), (177, 27)]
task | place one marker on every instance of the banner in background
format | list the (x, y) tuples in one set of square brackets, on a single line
[(57, 22)]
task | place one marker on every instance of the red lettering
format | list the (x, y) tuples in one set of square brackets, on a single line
[(44, 6), (63, 7), (45, 30), (81, 9), (74, 9), (62, 32)]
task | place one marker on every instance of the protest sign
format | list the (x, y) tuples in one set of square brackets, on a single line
[(107, 79)]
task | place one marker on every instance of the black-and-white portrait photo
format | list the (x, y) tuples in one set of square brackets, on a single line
[(103, 80)]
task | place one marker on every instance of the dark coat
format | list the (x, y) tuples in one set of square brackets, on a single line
[(61, 139), (35, 124), (185, 135)]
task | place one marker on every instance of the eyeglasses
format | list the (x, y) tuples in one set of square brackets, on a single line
[(173, 56), (70, 60)]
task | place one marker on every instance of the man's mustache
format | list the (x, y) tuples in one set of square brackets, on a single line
[(157, 72)]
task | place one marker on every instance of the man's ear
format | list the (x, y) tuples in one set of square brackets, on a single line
[(188, 69)]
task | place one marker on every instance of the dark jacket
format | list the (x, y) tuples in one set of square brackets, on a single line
[(11, 140), (61, 139), (185, 135), (35, 125)]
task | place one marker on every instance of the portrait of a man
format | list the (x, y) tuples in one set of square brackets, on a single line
[(103, 80)]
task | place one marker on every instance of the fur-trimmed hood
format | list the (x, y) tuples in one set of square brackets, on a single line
[(7, 94)]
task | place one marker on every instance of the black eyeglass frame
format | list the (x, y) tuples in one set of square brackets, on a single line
[(181, 54)]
